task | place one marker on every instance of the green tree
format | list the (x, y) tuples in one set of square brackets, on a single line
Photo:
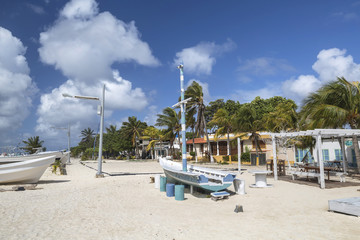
[(334, 105), (134, 128), (283, 118), (246, 122), (224, 122), (110, 142), (232, 107), (197, 102), (87, 140), (171, 120), (152, 134), (212, 108), (32, 144)]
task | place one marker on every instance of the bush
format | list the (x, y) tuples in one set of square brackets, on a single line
[(245, 157)]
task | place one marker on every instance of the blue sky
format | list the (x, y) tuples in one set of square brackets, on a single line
[(235, 49)]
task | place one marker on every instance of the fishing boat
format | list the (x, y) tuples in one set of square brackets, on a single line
[(205, 178), (59, 155), (27, 171)]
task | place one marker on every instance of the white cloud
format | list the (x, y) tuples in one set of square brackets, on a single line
[(333, 63), (200, 59), (80, 9), (151, 117), (55, 110), (330, 64), (17, 87), (299, 88), (265, 66), (85, 48), (37, 9), (84, 44)]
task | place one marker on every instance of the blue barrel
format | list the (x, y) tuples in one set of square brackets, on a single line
[(170, 189), (179, 192), (162, 184)]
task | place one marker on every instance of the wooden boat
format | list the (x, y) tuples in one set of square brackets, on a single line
[(205, 178), (27, 171), (59, 155)]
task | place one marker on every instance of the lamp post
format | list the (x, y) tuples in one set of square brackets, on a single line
[(68, 134), (102, 106)]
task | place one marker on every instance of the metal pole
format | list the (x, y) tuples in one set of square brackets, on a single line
[(99, 172), (68, 133), (239, 154), (183, 126)]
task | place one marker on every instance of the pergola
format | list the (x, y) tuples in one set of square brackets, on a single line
[(318, 134)]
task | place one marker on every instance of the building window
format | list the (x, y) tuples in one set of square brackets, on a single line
[(338, 155), (325, 153), (303, 154)]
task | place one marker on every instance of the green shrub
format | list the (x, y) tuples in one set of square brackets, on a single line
[(245, 157)]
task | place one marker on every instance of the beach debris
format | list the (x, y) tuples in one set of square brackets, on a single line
[(19, 188), (219, 195), (239, 208), (152, 179)]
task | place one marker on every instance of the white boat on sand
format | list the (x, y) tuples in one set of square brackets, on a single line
[(59, 155), (27, 171), (205, 178)]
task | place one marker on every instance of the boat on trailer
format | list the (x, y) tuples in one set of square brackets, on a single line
[(27, 171), (204, 178)]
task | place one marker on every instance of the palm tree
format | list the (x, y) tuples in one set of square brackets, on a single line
[(111, 129), (335, 105), (87, 136), (134, 128), (190, 122), (170, 119), (225, 125), (152, 134), (246, 122), (32, 144), (283, 118), (197, 102)]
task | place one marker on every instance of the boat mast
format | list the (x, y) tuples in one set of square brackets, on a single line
[(183, 126)]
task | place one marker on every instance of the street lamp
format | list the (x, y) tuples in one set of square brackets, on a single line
[(68, 134), (102, 106)]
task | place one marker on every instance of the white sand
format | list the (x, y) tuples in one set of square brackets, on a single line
[(80, 206)]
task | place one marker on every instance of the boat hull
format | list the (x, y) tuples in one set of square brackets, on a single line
[(174, 173), (58, 155), (28, 171)]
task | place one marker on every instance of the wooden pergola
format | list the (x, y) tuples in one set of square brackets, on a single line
[(318, 134)]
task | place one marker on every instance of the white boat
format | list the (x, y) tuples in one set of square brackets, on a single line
[(59, 155), (27, 171), (205, 178)]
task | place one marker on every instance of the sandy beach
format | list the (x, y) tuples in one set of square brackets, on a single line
[(126, 205)]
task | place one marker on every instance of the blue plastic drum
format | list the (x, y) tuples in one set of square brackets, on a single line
[(170, 189), (162, 184), (179, 192)]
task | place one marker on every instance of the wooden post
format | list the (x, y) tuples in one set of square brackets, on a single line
[(239, 155), (343, 152), (274, 157), (320, 160)]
